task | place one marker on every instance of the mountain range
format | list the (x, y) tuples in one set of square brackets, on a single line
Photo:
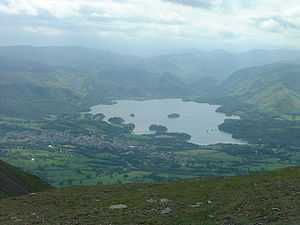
[(35, 81)]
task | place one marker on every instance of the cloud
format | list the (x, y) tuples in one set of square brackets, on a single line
[(195, 3), (206, 23), (49, 31), (275, 24), (18, 7), (215, 4)]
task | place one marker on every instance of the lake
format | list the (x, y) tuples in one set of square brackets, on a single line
[(199, 120)]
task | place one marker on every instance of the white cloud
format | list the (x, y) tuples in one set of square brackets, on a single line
[(270, 25), (18, 7), (43, 30), (247, 21)]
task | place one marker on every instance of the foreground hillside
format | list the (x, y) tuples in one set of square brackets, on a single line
[(15, 182), (267, 199)]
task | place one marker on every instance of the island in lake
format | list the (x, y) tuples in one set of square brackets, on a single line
[(173, 115), (116, 120)]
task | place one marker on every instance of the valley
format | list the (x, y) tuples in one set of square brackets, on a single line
[(80, 149), (241, 130)]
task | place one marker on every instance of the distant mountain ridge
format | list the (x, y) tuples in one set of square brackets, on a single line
[(217, 64)]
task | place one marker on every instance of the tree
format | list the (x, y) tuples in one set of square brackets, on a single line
[(130, 127), (159, 129)]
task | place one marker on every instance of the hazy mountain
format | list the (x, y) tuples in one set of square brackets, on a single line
[(35, 81), (15, 182), (217, 64), (67, 57)]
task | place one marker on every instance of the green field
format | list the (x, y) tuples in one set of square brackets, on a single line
[(73, 168), (79, 150)]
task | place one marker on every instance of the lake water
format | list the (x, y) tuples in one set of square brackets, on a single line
[(196, 119)]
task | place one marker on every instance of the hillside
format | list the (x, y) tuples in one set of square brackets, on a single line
[(47, 80), (273, 88), (267, 199), (14, 182)]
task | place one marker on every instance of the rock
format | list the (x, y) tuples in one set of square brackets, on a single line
[(164, 200), (228, 221), (209, 202), (119, 206), (276, 209), (151, 201), (16, 219), (166, 211), (197, 205)]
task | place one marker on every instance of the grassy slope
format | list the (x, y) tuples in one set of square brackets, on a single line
[(271, 199), (272, 88), (277, 98), (15, 182)]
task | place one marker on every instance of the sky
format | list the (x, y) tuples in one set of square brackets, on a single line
[(152, 26)]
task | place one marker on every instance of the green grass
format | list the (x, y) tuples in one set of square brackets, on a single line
[(270, 198), (208, 155)]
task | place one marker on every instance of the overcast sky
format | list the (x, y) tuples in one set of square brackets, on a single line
[(152, 26)]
